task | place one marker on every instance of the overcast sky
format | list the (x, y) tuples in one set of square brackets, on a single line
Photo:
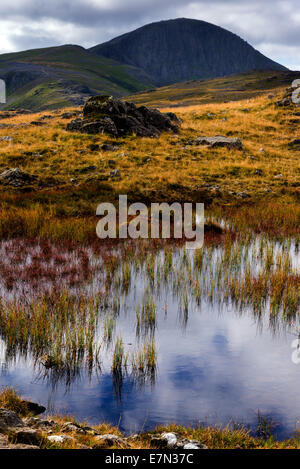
[(271, 26)]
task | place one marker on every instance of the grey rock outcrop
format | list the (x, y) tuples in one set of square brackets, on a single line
[(106, 114)]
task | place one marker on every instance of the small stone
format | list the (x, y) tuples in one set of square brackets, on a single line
[(115, 173), (72, 428), (38, 123), (243, 195), (94, 147), (6, 139), (110, 440), (90, 431), (295, 144), (190, 446), (87, 169), (59, 438), (108, 147), (195, 446), (220, 141), (15, 177)]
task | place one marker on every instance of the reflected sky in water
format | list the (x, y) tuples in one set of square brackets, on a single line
[(222, 366)]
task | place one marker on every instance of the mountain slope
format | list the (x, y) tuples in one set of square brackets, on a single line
[(62, 76), (218, 90), (183, 49)]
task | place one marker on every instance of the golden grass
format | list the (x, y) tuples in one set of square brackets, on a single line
[(151, 170), (9, 399)]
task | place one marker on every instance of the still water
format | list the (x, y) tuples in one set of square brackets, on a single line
[(216, 364)]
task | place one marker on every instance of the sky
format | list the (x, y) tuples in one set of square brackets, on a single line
[(271, 26)]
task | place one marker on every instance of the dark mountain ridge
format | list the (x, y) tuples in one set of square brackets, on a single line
[(184, 49)]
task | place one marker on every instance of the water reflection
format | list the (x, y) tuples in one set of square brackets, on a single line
[(219, 358)]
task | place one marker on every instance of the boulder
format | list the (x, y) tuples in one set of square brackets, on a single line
[(27, 436), (220, 141), (170, 438), (4, 444), (106, 114), (287, 99), (9, 419), (34, 408), (99, 126), (15, 177)]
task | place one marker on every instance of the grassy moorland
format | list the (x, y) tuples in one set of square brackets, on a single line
[(257, 187), (219, 90), (257, 190), (57, 77)]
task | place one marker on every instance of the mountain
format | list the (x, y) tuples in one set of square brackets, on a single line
[(63, 76), (155, 55), (184, 49)]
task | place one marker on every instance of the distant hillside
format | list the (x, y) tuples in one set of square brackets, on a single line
[(231, 88), (183, 49), (157, 54), (63, 76)]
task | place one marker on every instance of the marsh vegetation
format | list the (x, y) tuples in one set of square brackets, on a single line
[(149, 330)]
